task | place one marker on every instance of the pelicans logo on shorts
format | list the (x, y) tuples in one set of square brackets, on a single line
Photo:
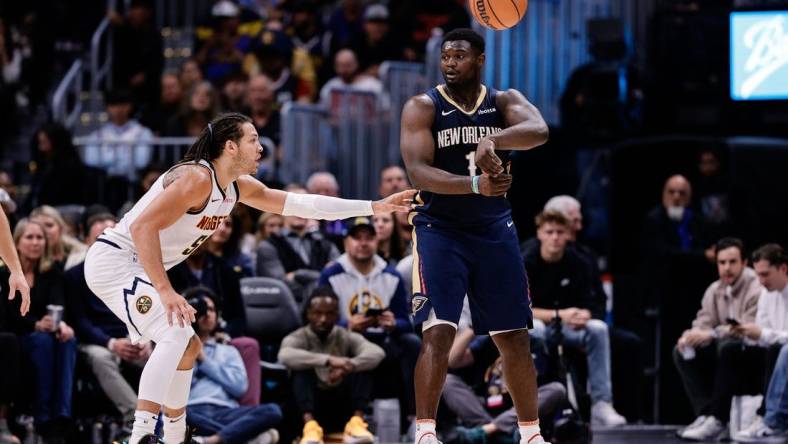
[(417, 302), (144, 304)]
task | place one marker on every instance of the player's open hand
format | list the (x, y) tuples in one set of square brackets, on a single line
[(176, 305), (486, 159), (17, 282), (494, 186), (396, 202)]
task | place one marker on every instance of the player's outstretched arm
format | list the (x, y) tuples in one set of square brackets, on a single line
[(16, 281), (418, 151), (314, 206), (186, 187)]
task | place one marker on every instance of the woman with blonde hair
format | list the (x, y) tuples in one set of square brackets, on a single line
[(64, 249), (44, 336), (267, 224)]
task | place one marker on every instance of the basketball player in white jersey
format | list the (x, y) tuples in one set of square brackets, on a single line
[(126, 267)]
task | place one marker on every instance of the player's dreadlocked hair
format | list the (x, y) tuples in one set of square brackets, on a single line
[(210, 144)]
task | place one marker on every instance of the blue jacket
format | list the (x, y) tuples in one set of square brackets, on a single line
[(382, 288), (220, 379)]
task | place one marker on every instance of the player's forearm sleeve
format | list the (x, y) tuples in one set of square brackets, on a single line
[(314, 206)]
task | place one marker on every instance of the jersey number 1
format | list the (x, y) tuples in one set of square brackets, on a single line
[(471, 162)]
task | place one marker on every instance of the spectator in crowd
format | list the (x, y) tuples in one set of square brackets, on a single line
[(673, 241), (147, 178), (330, 366), (559, 281), (308, 36), (221, 56), (712, 192), (373, 302), (262, 108), (11, 58), (476, 392), (416, 21), (46, 340), (203, 268), (140, 44), (219, 380), (345, 23), (103, 337), (190, 74), (770, 330), (709, 357), (9, 343), (55, 163), (200, 106), (348, 76), (65, 250), (157, 115), (124, 148), (393, 179), (390, 246), (267, 121), (626, 347), (297, 254), (376, 44), (325, 184), (225, 243), (268, 224), (289, 68), (234, 93)]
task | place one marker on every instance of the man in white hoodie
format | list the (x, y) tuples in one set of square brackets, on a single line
[(373, 302), (770, 329)]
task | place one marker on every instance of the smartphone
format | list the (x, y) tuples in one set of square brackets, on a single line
[(732, 322), (371, 312)]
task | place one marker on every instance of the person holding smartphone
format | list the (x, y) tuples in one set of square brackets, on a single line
[(373, 302), (710, 351)]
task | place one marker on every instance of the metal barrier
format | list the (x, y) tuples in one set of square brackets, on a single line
[(62, 100), (101, 67), (350, 140), (401, 80), (432, 59)]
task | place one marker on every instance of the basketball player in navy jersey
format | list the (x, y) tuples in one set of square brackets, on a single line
[(456, 141)]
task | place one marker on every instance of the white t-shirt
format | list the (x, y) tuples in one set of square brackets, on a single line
[(772, 317)]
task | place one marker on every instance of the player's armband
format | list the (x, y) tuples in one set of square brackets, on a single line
[(314, 206)]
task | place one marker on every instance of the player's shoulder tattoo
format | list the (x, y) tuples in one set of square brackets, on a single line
[(179, 172)]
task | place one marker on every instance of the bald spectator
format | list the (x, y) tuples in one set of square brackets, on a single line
[(324, 183), (392, 180), (348, 76), (676, 266)]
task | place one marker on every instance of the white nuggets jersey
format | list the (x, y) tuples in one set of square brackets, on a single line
[(180, 239)]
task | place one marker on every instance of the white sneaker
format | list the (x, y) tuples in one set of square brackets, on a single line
[(429, 438), (603, 414), (709, 430), (270, 436), (694, 424), (758, 431)]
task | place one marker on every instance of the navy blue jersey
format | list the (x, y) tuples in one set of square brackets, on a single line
[(456, 134)]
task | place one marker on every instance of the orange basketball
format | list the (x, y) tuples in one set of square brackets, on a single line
[(498, 14)]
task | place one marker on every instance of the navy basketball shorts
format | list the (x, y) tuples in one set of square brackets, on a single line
[(483, 262)]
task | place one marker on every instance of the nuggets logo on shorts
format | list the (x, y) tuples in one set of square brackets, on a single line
[(417, 303), (144, 304)]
